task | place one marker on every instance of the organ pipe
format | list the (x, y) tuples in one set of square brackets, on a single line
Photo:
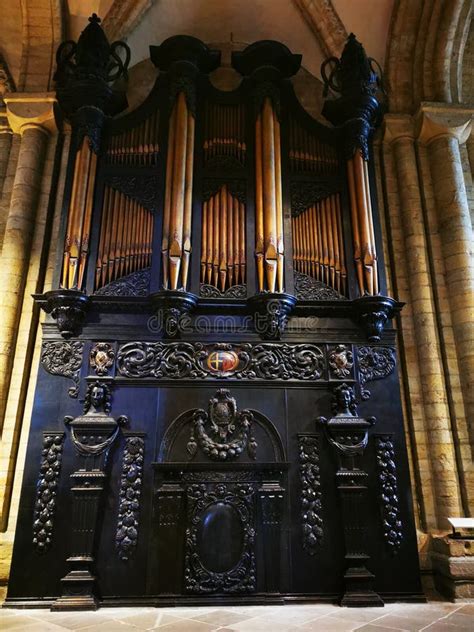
[(318, 245), (269, 208), (125, 239), (176, 242), (223, 240)]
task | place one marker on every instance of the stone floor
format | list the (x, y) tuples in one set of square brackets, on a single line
[(434, 616)]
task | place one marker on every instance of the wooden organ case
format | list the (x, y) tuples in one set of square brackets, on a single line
[(217, 415)]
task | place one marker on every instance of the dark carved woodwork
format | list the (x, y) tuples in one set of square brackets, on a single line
[(135, 284), (360, 106), (185, 360), (185, 507), (373, 312), (240, 574), (67, 307), (126, 538), (64, 358), (47, 490), (229, 432), (387, 475), (306, 193), (171, 308), (102, 357), (309, 289), (341, 362), (143, 189), (92, 434), (311, 496), (375, 363), (270, 313), (348, 434)]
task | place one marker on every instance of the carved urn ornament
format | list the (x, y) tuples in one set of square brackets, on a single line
[(222, 433)]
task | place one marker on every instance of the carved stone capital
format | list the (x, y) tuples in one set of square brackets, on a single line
[(27, 110), (439, 119), (397, 126)]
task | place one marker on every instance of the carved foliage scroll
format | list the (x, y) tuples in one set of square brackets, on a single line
[(311, 518), (130, 491), (182, 360), (46, 490), (392, 525), (375, 363), (64, 358), (205, 504)]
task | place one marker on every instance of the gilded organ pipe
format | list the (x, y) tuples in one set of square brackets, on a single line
[(125, 239), (269, 248), (176, 242)]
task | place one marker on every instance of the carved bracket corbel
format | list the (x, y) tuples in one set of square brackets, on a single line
[(171, 308), (67, 307), (373, 313), (270, 312)]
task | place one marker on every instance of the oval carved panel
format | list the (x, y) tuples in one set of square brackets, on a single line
[(220, 537)]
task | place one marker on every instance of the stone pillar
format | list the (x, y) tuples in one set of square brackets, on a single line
[(31, 116), (400, 136), (5, 144), (442, 128)]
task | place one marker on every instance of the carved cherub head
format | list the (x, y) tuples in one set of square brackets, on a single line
[(344, 403)]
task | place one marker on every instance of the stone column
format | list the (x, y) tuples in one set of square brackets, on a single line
[(442, 128), (5, 144), (400, 136), (31, 116)]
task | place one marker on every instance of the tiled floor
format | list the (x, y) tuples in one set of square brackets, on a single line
[(433, 617)]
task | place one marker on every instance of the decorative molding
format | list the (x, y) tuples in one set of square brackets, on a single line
[(341, 362), (228, 432), (130, 491), (392, 525), (323, 20), (236, 498), (210, 291), (124, 16), (185, 360), (304, 194), (309, 289), (311, 517), (65, 359), (143, 189), (46, 490), (135, 284), (375, 363), (102, 357)]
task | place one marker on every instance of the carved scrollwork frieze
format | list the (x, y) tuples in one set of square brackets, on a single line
[(375, 363), (387, 475), (311, 518), (304, 194), (309, 289), (46, 490), (185, 360), (210, 291), (126, 537), (135, 284), (65, 359)]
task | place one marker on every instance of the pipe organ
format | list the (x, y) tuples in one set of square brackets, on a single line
[(217, 416)]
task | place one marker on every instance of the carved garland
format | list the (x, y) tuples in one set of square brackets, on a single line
[(375, 363), (242, 577), (46, 490), (392, 525), (310, 493), (182, 360), (65, 359), (130, 491), (230, 431)]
